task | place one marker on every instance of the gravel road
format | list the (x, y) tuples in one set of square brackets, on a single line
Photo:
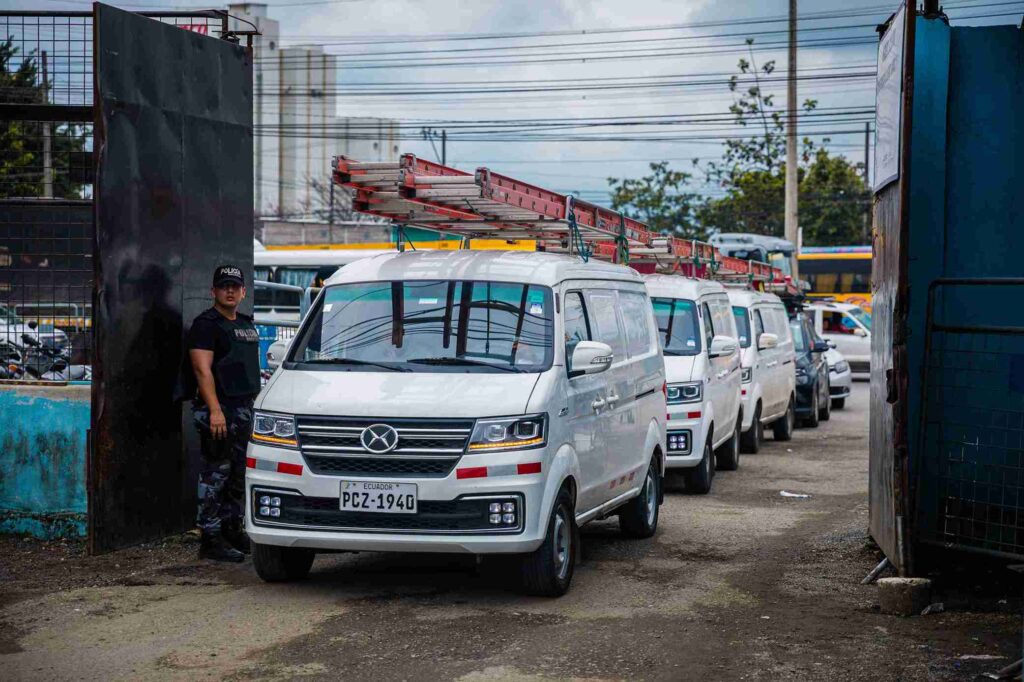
[(742, 584)]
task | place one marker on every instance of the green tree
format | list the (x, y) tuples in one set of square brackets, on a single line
[(834, 202), (660, 200), (21, 142)]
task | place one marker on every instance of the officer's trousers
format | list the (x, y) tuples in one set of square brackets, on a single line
[(222, 471)]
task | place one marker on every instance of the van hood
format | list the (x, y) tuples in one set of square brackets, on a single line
[(679, 368), (398, 394)]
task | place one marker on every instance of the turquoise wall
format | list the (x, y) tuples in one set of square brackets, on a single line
[(43, 459)]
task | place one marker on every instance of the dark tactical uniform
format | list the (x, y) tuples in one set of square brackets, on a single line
[(236, 374)]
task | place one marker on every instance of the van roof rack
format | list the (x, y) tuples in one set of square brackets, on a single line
[(488, 205)]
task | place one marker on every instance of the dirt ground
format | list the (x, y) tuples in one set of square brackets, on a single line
[(742, 584)]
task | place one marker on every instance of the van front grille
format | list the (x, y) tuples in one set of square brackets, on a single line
[(425, 448)]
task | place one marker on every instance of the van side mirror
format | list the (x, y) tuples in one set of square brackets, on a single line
[(859, 331), (722, 345), (276, 352), (767, 341), (831, 343), (819, 346), (590, 357)]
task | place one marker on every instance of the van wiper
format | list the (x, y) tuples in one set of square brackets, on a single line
[(677, 353), (354, 361), (462, 361)]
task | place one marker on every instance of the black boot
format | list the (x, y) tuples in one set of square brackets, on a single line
[(214, 546), (236, 537)]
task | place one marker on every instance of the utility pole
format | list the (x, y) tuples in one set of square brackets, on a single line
[(792, 196), (444, 147), (867, 179), (330, 215), (47, 136), (429, 134)]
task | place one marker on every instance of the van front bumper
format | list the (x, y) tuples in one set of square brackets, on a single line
[(681, 420), (452, 512)]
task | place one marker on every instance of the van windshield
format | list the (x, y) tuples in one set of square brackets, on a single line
[(742, 325), (429, 326), (678, 329), (861, 316), (799, 339)]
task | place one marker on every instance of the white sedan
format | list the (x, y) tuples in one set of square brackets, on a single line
[(840, 379)]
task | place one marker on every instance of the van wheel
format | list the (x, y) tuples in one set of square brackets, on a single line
[(812, 419), (281, 564), (698, 479), (751, 440), (838, 403), (728, 456), (639, 516), (782, 428), (547, 572)]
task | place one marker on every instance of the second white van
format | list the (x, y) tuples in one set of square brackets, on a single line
[(456, 401), (697, 333)]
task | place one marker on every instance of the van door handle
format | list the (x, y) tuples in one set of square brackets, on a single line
[(598, 404)]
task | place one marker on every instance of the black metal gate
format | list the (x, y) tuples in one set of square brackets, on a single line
[(173, 197)]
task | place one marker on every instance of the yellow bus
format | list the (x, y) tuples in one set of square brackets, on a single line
[(842, 273)]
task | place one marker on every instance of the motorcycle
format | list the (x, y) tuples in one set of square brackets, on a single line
[(47, 363)]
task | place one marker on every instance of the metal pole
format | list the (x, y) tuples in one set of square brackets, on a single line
[(792, 191), (330, 214), (47, 135), (444, 147)]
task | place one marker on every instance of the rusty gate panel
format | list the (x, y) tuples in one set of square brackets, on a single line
[(173, 199)]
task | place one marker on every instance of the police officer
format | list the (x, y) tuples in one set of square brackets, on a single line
[(223, 348)]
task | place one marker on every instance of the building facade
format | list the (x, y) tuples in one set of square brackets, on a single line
[(297, 127)]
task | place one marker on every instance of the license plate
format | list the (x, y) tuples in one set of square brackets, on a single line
[(373, 496)]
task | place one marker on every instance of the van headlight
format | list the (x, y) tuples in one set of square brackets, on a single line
[(747, 375), (841, 367), (509, 433), (690, 392), (274, 429)]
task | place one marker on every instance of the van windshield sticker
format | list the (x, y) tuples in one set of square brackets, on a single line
[(691, 343), (327, 307), (536, 309), (428, 301)]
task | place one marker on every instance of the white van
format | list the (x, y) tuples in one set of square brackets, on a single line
[(461, 401), (767, 371), (697, 333), (847, 328)]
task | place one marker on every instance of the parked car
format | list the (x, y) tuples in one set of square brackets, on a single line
[(698, 338), (849, 327), (768, 380), (813, 403), (840, 379), (461, 401)]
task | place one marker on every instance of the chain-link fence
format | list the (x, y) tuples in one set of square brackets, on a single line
[(46, 188), (971, 454)]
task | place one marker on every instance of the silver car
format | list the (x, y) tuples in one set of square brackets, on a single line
[(840, 379)]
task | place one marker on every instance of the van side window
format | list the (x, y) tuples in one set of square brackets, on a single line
[(636, 312), (742, 325), (709, 327), (758, 323), (784, 334), (601, 305), (577, 327), (837, 323)]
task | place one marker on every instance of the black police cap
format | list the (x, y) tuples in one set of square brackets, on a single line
[(227, 273)]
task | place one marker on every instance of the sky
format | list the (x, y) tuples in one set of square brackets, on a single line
[(384, 44)]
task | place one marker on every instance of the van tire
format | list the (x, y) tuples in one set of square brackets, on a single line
[(812, 420), (542, 573), (838, 403), (728, 456), (782, 428), (698, 479), (750, 441), (281, 564), (639, 516)]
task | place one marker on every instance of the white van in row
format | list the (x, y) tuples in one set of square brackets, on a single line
[(698, 338), (768, 389), (847, 328), (481, 402)]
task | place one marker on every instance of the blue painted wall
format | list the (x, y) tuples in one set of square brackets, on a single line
[(43, 459)]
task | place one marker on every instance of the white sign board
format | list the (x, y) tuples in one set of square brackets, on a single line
[(888, 101)]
